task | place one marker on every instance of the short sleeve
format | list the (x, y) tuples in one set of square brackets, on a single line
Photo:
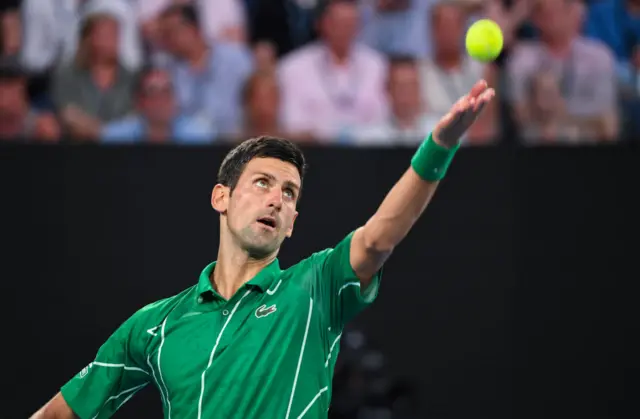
[(116, 374), (338, 289)]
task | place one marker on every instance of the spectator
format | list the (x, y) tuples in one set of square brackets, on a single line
[(157, 119), (450, 73), (261, 98), (222, 20), (583, 69), (18, 121), (10, 32), (617, 24), (334, 85), (397, 27), (208, 79), (265, 56), (410, 121), (95, 88), (51, 28)]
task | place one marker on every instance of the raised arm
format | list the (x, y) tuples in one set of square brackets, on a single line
[(56, 408), (374, 242)]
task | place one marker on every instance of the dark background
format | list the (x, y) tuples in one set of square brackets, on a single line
[(515, 296)]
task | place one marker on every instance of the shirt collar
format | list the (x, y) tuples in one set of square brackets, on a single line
[(262, 280)]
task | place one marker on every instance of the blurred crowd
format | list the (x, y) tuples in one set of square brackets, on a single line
[(348, 72)]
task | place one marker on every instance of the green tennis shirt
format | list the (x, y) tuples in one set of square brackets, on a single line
[(268, 352)]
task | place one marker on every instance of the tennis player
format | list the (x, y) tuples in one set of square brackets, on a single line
[(251, 340)]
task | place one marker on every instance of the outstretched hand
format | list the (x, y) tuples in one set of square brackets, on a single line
[(462, 115)]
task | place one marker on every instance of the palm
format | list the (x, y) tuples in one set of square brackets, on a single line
[(463, 114)]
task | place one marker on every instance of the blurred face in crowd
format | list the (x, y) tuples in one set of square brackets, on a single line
[(103, 38), (261, 209), (177, 35), (404, 89), (265, 56), (339, 26), (555, 19), (13, 106), (262, 102), (448, 29), (155, 98)]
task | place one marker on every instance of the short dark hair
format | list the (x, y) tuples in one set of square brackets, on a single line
[(325, 5), (187, 12), (142, 75), (260, 147)]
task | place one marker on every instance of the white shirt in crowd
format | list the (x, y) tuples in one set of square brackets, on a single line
[(328, 101), (51, 31), (441, 89), (216, 16)]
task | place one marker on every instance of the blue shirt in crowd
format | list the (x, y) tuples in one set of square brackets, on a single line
[(216, 92), (185, 130), (609, 22)]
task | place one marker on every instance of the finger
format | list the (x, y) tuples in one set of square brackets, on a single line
[(478, 88), (484, 98)]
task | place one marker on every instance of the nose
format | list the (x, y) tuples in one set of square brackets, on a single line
[(275, 199)]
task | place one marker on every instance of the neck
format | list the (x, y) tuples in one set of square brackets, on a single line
[(448, 61), (234, 268), (197, 56), (339, 56), (559, 47), (406, 119), (263, 127), (158, 132)]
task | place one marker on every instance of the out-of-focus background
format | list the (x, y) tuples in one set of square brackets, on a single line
[(513, 298), (356, 73)]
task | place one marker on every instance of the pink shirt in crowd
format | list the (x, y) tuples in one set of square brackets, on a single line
[(325, 100)]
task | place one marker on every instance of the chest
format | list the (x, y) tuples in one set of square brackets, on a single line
[(237, 342)]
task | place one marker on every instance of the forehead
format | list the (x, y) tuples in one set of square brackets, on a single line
[(281, 170), (342, 10)]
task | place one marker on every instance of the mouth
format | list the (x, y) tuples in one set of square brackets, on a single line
[(268, 222)]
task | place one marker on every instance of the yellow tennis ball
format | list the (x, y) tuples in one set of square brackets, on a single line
[(484, 40)]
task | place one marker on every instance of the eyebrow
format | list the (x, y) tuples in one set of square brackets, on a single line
[(288, 183)]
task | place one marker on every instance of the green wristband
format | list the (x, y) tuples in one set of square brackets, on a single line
[(432, 160)]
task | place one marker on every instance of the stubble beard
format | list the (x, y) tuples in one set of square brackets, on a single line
[(258, 245)]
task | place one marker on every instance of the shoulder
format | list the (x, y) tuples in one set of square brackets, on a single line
[(153, 314), (595, 52), (123, 130), (194, 129), (370, 56), (231, 53), (301, 57), (525, 55)]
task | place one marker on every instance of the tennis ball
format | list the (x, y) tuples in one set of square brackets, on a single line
[(484, 40)]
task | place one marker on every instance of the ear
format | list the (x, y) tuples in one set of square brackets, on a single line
[(220, 198), (290, 229)]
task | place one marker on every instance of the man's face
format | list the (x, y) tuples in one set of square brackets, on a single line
[(264, 102), (104, 38), (448, 28), (553, 18), (339, 26), (155, 99), (176, 34), (261, 210), (404, 89)]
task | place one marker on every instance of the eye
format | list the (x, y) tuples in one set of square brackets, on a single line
[(289, 193), (261, 183)]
